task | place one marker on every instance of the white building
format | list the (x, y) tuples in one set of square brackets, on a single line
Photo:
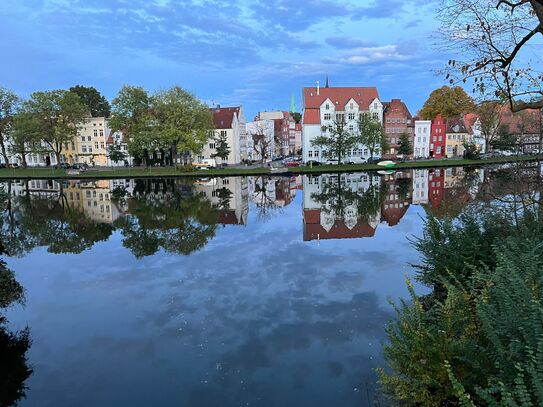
[(229, 122), (323, 106), (473, 123), (421, 141), (260, 136), (229, 196), (117, 139), (420, 187)]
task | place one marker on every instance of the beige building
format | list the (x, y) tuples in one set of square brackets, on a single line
[(89, 146)]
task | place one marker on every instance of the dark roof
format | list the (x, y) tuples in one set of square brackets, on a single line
[(456, 124), (224, 116)]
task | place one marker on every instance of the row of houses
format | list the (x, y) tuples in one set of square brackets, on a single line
[(437, 138)]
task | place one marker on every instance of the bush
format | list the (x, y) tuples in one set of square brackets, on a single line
[(185, 168)]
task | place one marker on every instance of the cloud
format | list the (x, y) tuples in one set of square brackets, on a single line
[(367, 55), (348, 42)]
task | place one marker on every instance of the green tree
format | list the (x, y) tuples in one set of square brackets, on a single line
[(183, 123), (222, 150), (505, 141), (97, 105), (335, 141), (131, 115), (59, 113), (447, 101), (9, 103), (297, 117), (404, 145), (25, 136), (372, 135), (116, 153)]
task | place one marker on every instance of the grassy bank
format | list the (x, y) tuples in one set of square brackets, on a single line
[(53, 173)]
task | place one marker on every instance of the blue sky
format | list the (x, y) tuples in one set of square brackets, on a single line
[(256, 53)]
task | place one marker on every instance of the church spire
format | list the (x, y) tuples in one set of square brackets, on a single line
[(327, 81), (292, 104)]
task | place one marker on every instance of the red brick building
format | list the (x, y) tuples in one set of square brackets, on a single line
[(436, 185), (397, 120), (438, 137)]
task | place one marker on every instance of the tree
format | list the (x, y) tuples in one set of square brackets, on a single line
[(371, 134), (263, 138), (297, 117), (25, 136), (335, 141), (97, 105), (183, 122), (404, 145), (116, 153), (490, 117), (131, 116), (493, 42), (222, 150), (9, 103), (505, 141), (59, 113), (448, 102)]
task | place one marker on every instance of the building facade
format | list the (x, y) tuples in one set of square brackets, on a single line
[(397, 121), (421, 139), (438, 137), (261, 138), (324, 106), (456, 136)]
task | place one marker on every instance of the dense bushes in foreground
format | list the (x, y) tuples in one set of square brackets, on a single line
[(477, 339)]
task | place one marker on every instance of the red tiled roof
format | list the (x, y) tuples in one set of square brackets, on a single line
[(312, 116), (224, 116), (397, 105), (228, 217), (314, 230), (456, 124), (526, 121), (340, 96), (109, 140), (469, 120)]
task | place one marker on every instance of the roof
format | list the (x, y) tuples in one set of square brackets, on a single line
[(397, 105), (456, 124), (527, 121), (224, 116), (313, 230), (469, 121), (340, 96), (312, 116)]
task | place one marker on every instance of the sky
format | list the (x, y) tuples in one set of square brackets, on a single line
[(255, 53)]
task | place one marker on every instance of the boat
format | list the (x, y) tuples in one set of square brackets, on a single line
[(386, 172), (386, 164)]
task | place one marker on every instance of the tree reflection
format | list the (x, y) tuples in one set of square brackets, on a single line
[(161, 215)]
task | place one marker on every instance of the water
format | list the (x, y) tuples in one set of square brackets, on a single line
[(222, 292)]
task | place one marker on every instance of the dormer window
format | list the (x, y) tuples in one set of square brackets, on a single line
[(352, 106), (327, 106)]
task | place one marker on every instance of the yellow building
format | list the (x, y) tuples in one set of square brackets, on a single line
[(92, 198), (456, 135), (89, 146)]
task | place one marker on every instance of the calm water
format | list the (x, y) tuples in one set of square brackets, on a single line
[(222, 292)]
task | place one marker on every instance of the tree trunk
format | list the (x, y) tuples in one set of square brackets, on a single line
[(57, 156), (4, 152)]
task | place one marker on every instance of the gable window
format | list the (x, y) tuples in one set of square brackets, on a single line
[(351, 116), (327, 106)]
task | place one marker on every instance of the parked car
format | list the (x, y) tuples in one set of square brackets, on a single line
[(373, 160), (292, 163), (64, 165), (313, 163), (80, 166)]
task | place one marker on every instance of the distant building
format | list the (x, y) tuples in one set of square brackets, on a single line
[(229, 122), (457, 135), (323, 106), (438, 138), (397, 121), (526, 126), (284, 130), (117, 139), (90, 143), (420, 186), (421, 139), (297, 138), (261, 137), (475, 136)]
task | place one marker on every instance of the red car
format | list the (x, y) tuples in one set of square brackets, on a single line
[(292, 163)]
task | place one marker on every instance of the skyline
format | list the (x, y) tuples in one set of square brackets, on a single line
[(247, 53)]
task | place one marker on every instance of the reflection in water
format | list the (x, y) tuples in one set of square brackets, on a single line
[(14, 369), (249, 299)]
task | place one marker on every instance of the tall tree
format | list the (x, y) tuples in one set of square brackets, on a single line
[(116, 153), (371, 134), (263, 138), (493, 46), (489, 113), (59, 113), (25, 136), (447, 101), (97, 104), (404, 145), (184, 123), (335, 141), (9, 102), (131, 116)]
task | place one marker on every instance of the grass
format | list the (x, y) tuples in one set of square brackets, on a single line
[(54, 173)]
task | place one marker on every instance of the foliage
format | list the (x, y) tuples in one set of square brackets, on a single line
[(404, 145), (371, 134), (222, 150), (489, 119), (471, 152), (492, 43), (116, 153), (97, 105), (25, 135), (58, 113), (336, 141), (297, 116), (505, 141), (9, 103), (448, 102)]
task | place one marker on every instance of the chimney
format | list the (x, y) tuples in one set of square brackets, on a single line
[(318, 88)]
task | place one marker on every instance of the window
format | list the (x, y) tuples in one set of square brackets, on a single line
[(310, 154), (375, 116), (327, 116), (95, 132), (365, 151), (351, 116), (88, 138), (84, 148), (66, 146), (212, 145), (351, 127), (102, 145), (96, 145), (223, 133), (327, 107), (375, 106), (101, 132), (83, 138), (316, 153), (340, 117), (449, 149), (90, 149)]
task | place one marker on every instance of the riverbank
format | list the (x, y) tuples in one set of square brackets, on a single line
[(108, 173)]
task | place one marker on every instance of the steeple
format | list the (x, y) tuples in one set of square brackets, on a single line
[(292, 104), (327, 82)]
